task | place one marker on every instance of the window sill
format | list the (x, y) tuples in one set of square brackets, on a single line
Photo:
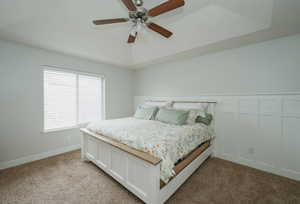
[(65, 128), (60, 129)]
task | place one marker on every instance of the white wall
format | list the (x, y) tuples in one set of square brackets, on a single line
[(21, 101), (258, 92), (261, 131), (272, 66)]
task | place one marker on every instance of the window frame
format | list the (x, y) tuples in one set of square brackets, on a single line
[(77, 73)]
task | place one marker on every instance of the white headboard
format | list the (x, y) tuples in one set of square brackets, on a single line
[(211, 105)]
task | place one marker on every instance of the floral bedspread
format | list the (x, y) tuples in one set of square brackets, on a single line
[(168, 142)]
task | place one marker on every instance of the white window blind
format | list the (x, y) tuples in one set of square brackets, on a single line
[(71, 99), (90, 100)]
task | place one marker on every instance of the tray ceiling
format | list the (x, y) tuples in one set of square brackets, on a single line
[(65, 26)]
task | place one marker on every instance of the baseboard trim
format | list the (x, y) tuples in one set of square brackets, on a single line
[(35, 157), (263, 167)]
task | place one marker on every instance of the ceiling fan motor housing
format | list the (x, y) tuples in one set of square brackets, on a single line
[(139, 15)]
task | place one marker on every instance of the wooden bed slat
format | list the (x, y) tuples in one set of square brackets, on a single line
[(189, 159), (142, 155), (184, 163)]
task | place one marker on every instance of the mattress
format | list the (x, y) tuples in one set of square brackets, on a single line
[(171, 143)]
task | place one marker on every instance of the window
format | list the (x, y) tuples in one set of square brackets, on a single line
[(90, 98), (71, 99)]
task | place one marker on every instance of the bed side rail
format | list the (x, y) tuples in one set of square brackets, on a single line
[(142, 155)]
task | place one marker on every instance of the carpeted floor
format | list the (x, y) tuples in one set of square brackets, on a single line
[(65, 179)]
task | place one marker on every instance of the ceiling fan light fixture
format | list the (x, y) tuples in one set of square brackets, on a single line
[(139, 26), (139, 2), (133, 31), (140, 16)]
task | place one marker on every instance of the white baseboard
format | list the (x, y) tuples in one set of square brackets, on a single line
[(35, 157), (31, 158), (257, 165)]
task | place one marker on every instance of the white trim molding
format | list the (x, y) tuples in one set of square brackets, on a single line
[(35, 157), (260, 130)]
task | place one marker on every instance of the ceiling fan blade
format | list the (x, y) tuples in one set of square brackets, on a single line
[(129, 4), (165, 7), (164, 32), (131, 38), (109, 21)]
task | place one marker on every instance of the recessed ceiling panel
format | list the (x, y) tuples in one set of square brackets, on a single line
[(211, 22), (66, 26)]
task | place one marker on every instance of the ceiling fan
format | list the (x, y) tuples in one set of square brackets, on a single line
[(140, 17)]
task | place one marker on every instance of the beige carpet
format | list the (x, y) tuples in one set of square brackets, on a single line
[(65, 179)]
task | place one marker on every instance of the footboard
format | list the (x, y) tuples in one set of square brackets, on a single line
[(137, 171), (137, 175)]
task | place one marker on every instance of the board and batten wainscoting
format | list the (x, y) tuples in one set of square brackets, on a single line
[(259, 130)]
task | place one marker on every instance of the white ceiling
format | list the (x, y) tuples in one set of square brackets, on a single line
[(200, 27)]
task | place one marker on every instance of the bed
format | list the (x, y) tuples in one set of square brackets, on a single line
[(151, 159)]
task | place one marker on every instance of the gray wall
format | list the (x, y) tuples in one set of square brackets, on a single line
[(271, 66), (21, 99), (265, 68)]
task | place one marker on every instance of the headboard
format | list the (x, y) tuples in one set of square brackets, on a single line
[(210, 102), (211, 105)]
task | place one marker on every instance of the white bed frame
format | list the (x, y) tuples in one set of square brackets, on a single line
[(139, 176)]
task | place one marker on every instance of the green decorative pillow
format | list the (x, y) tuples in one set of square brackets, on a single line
[(205, 120), (146, 113), (172, 116)]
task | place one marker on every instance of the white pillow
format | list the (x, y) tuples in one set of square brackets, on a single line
[(195, 109), (193, 114)]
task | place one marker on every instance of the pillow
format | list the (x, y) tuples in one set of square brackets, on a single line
[(205, 120), (195, 109), (201, 108), (146, 113), (172, 116), (193, 114)]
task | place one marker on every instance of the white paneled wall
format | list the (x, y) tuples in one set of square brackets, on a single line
[(261, 131)]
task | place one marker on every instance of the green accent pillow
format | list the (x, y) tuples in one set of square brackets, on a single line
[(172, 116), (146, 113), (205, 120)]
